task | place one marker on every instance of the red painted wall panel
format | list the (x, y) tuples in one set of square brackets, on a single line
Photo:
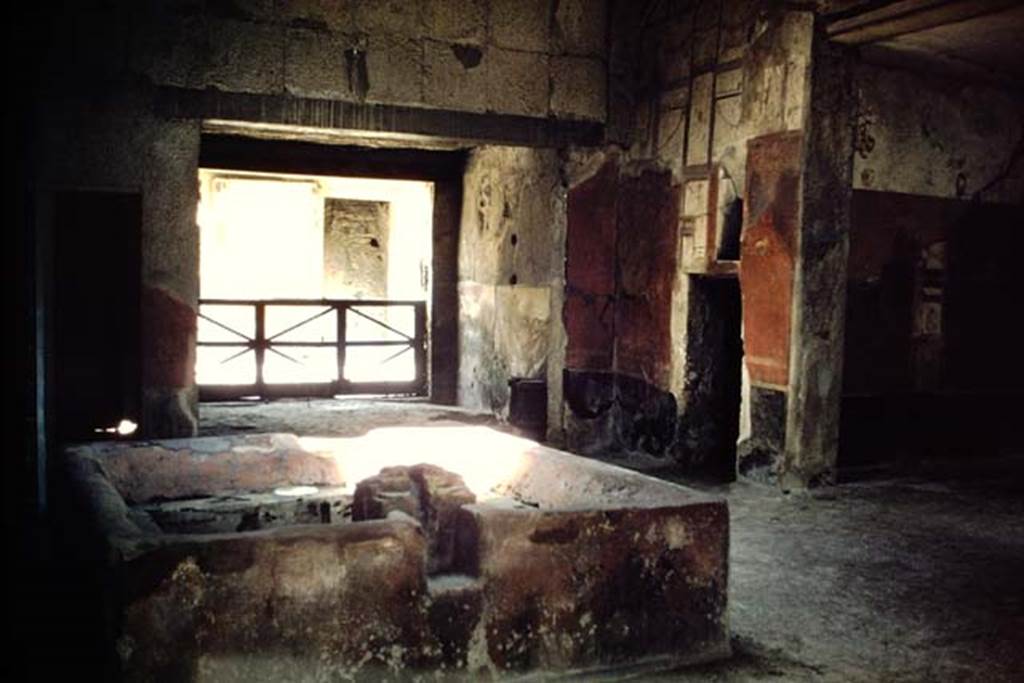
[(590, 271), (768, 255), (647, 249)]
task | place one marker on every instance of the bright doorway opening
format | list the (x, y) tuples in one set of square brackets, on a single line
[(312, 284)]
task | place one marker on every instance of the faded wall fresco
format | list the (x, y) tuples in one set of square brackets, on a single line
[(510, 271)]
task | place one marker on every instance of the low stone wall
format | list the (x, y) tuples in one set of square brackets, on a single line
[(562, 564)]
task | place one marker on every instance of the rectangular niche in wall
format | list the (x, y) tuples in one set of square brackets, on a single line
[(355, 249)]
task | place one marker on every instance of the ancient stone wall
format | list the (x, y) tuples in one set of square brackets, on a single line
[(535, 58), (949, 139), (122, 86), (690, 85), (510, 272), (118, 145)]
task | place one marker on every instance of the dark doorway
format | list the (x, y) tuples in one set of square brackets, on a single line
[(96, 314), (709, 424), (931, 343)]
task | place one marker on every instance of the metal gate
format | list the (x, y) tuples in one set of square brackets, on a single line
[(305, 347)]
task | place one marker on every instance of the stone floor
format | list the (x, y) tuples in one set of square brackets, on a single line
[(908, 574), (911, 576)]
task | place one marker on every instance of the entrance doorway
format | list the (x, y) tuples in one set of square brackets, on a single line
[(312, 285), (324, 269), (96, 320), (710, 425)]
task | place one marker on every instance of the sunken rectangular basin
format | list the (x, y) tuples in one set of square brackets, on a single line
[(479, 554)]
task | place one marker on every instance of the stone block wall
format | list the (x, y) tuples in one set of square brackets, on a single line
[(111, 79), (521, 58)]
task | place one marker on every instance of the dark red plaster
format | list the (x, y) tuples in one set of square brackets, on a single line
[(590, 271), (647, 247), (168, 334), (590, 326), (590, 232)]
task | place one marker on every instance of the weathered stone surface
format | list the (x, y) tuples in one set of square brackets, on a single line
[(458, 21), (170, 50), (812, 431), (454, 611), (579, 27), (591, 232), (522, 319), (168, 333), (589, 394), (578, 88), (394, 69), (482, 378), (590, 326), (190, 468), (334, 15), (455, 76), (615, 413), (923, 144), (444, 311), (511, 202), (521, 24), (196, 51), (758, 456), (621, 277), (167, 159), (647, 422), (315, 64), (517, 82), (202, 608), (169, 412), (246, 57), (389, 16), (579, 566), (249, 511), (590, 270), (737, 18), (170, 263), (672, 109), (710, 417), (565, 589), (699, 121), (269, 62), (513, 221), (426, 493), (775, 74)]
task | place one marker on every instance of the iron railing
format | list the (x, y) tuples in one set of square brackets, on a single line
[(367, 328)]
